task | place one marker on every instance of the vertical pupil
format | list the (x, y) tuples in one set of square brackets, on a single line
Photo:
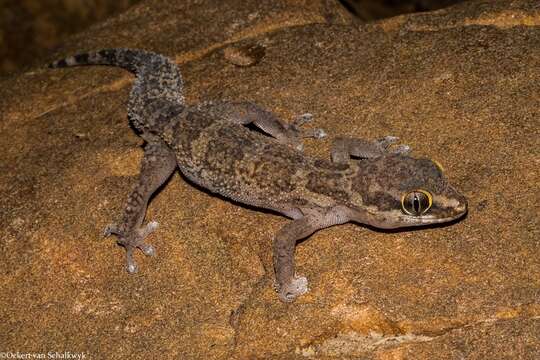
[(416, 204)]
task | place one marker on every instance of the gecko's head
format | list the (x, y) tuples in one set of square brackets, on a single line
[(400, 191)]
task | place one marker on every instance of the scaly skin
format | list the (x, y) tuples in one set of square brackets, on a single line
[(368, 182)]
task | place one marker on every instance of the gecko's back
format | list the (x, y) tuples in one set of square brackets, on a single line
[(242, 164)]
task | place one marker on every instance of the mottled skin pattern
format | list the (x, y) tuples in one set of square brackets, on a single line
[(368, 182)]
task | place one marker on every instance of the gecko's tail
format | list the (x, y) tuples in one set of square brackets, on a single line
[(156, 96), (125, 58)]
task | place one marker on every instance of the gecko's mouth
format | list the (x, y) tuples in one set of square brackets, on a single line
[(437, 218)]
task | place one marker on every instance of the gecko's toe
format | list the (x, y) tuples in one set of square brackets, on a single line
[(386, 141), (110, 230), (387, 144), (152, 225), (302, 119), (147, 249), (319, 133), (390, 138), (298, 286), (131, 240), (132, 268), (401, 149), (296, 133), (313, 133)]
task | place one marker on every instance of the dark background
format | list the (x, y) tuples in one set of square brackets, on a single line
[(31, 28)]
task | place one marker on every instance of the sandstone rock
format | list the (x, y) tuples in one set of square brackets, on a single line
[(459, 85)]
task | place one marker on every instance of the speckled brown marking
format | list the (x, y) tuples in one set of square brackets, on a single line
[(383, 201), (332, 184), (327, 165), (212, 148)]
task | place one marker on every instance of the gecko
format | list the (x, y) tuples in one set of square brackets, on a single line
[(214, 145)]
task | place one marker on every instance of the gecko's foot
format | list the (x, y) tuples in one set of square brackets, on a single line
[(386, 145), (133, 240), (300, 133), (314, 133), (302, 119), (298, 286)]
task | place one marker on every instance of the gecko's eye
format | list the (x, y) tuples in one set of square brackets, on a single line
[(416, 202)]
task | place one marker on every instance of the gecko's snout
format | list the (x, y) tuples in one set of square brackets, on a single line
[(462, 207)]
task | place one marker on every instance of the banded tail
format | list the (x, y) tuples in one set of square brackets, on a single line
[(156, 95)]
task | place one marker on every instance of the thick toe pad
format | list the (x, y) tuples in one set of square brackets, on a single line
[(147, 249), (387, 142), (401, 149), (132, 267), (319, 133), (131, 240), (152, 225), (298, 286), (390, 139), (302, 119), (110, 230)]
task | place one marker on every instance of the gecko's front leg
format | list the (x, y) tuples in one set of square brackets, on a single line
[(157, 165), (288, 284), (345, 147), (249, 113)]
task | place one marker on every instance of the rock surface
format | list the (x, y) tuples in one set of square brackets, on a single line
[(459, 85), (31, 28)]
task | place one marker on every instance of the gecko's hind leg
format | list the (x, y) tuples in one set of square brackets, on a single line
[(249, 113), (288, 284), (157, 165), (345, 147)]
